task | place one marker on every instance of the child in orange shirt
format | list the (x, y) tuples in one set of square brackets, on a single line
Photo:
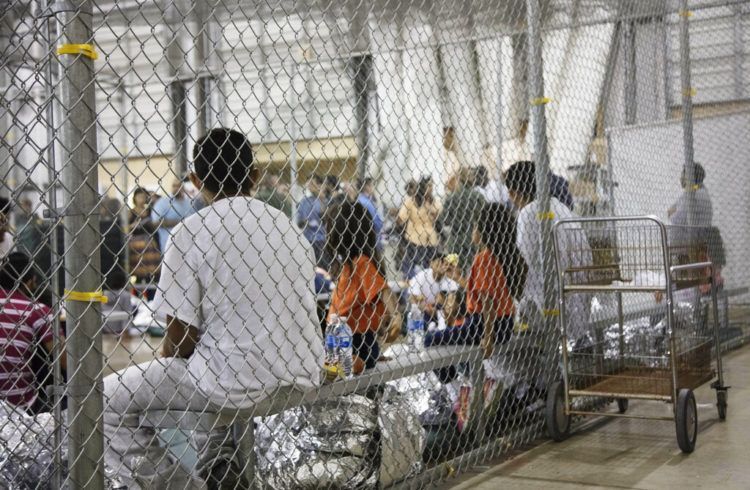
[(497, 274), (362, 294)]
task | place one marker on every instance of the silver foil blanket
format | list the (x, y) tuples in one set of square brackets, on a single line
[(27, 451)]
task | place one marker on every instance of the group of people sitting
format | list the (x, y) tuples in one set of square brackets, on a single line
[(236, 293)]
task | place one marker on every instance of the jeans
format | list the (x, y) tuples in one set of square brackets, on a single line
[(133, 451), (470, 333)]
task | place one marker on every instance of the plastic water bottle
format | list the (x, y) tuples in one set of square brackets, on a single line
[(344, 350), (415, 329), (331, 354)]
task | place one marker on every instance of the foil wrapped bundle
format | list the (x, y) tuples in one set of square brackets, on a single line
[(329, 444), (26, 459), (402, 438)]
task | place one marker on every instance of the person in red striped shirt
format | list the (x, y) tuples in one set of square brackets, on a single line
[(25, 325)]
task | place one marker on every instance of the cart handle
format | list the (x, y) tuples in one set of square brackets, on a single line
[(690, 267)]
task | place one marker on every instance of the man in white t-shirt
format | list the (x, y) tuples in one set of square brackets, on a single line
[(573, 247), (237, 293), (427, 285)]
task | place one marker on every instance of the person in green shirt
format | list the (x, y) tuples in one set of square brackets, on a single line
[(270, 193), (455, 222)]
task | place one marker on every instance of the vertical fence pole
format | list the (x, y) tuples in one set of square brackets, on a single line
[(77, 139), (362, 67), (631, 82), (687, 106), (539, 125), (176, 88)]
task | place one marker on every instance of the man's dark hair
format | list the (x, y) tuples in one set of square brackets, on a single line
[(481, 176), (223, 161), (140, 190), (521, 179), (497, 229), (317, 179), (15, 269), (5, 205), (700, 173), (362, 183), (420, 197)]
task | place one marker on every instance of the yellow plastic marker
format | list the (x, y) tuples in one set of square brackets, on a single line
[(686, 13), (85, 297), (451, 259), (690, 92), (541, 101), (86, 50), (554, 312), (545, 216), (521, 327), (696, 187)]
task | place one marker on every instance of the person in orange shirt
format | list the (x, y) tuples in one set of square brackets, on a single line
[(362, 294), (497, 274)]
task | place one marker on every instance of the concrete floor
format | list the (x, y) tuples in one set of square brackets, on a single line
[(642, 454)]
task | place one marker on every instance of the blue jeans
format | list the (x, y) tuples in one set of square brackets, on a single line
[(471, 332)]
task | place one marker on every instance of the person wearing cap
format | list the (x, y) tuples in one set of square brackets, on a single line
[(521, 182), (704, 213), (428, 286)]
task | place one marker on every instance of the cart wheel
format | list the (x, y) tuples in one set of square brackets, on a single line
[(558, 424), (721, 403), (686, 419), (622, 405)]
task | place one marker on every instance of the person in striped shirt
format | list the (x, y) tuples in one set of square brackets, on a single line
[(25, 325)]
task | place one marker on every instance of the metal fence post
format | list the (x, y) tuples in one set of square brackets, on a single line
[(687, 105), (77, 138), (176, 85), (539, 125)]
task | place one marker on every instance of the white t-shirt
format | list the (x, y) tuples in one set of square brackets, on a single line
[(572, 252), (6, 245), (424, 284), (243, 274), (495, 192)]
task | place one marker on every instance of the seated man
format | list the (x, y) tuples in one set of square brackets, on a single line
[(25, 325), (236, 290), (426, 286)]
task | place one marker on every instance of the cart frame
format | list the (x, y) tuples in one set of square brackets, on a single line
[(681, 397)]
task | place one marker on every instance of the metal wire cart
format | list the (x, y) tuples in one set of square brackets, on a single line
[(665, 361)]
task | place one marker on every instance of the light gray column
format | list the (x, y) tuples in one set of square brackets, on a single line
[(631, 84), (687, 104), (79, 158), (176, 89), (541, 157)]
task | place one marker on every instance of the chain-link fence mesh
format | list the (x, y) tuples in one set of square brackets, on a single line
[(323, 230)]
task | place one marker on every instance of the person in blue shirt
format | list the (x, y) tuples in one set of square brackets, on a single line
[(310, 219), (367, 199), (169, 211)]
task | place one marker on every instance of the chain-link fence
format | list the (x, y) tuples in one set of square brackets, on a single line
[(308, 244)]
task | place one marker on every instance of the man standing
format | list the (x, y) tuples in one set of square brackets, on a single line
[(236, 291), (521, 182), (169, 211), (704, 213), (310, 219), (458, 217), (270, 193)]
